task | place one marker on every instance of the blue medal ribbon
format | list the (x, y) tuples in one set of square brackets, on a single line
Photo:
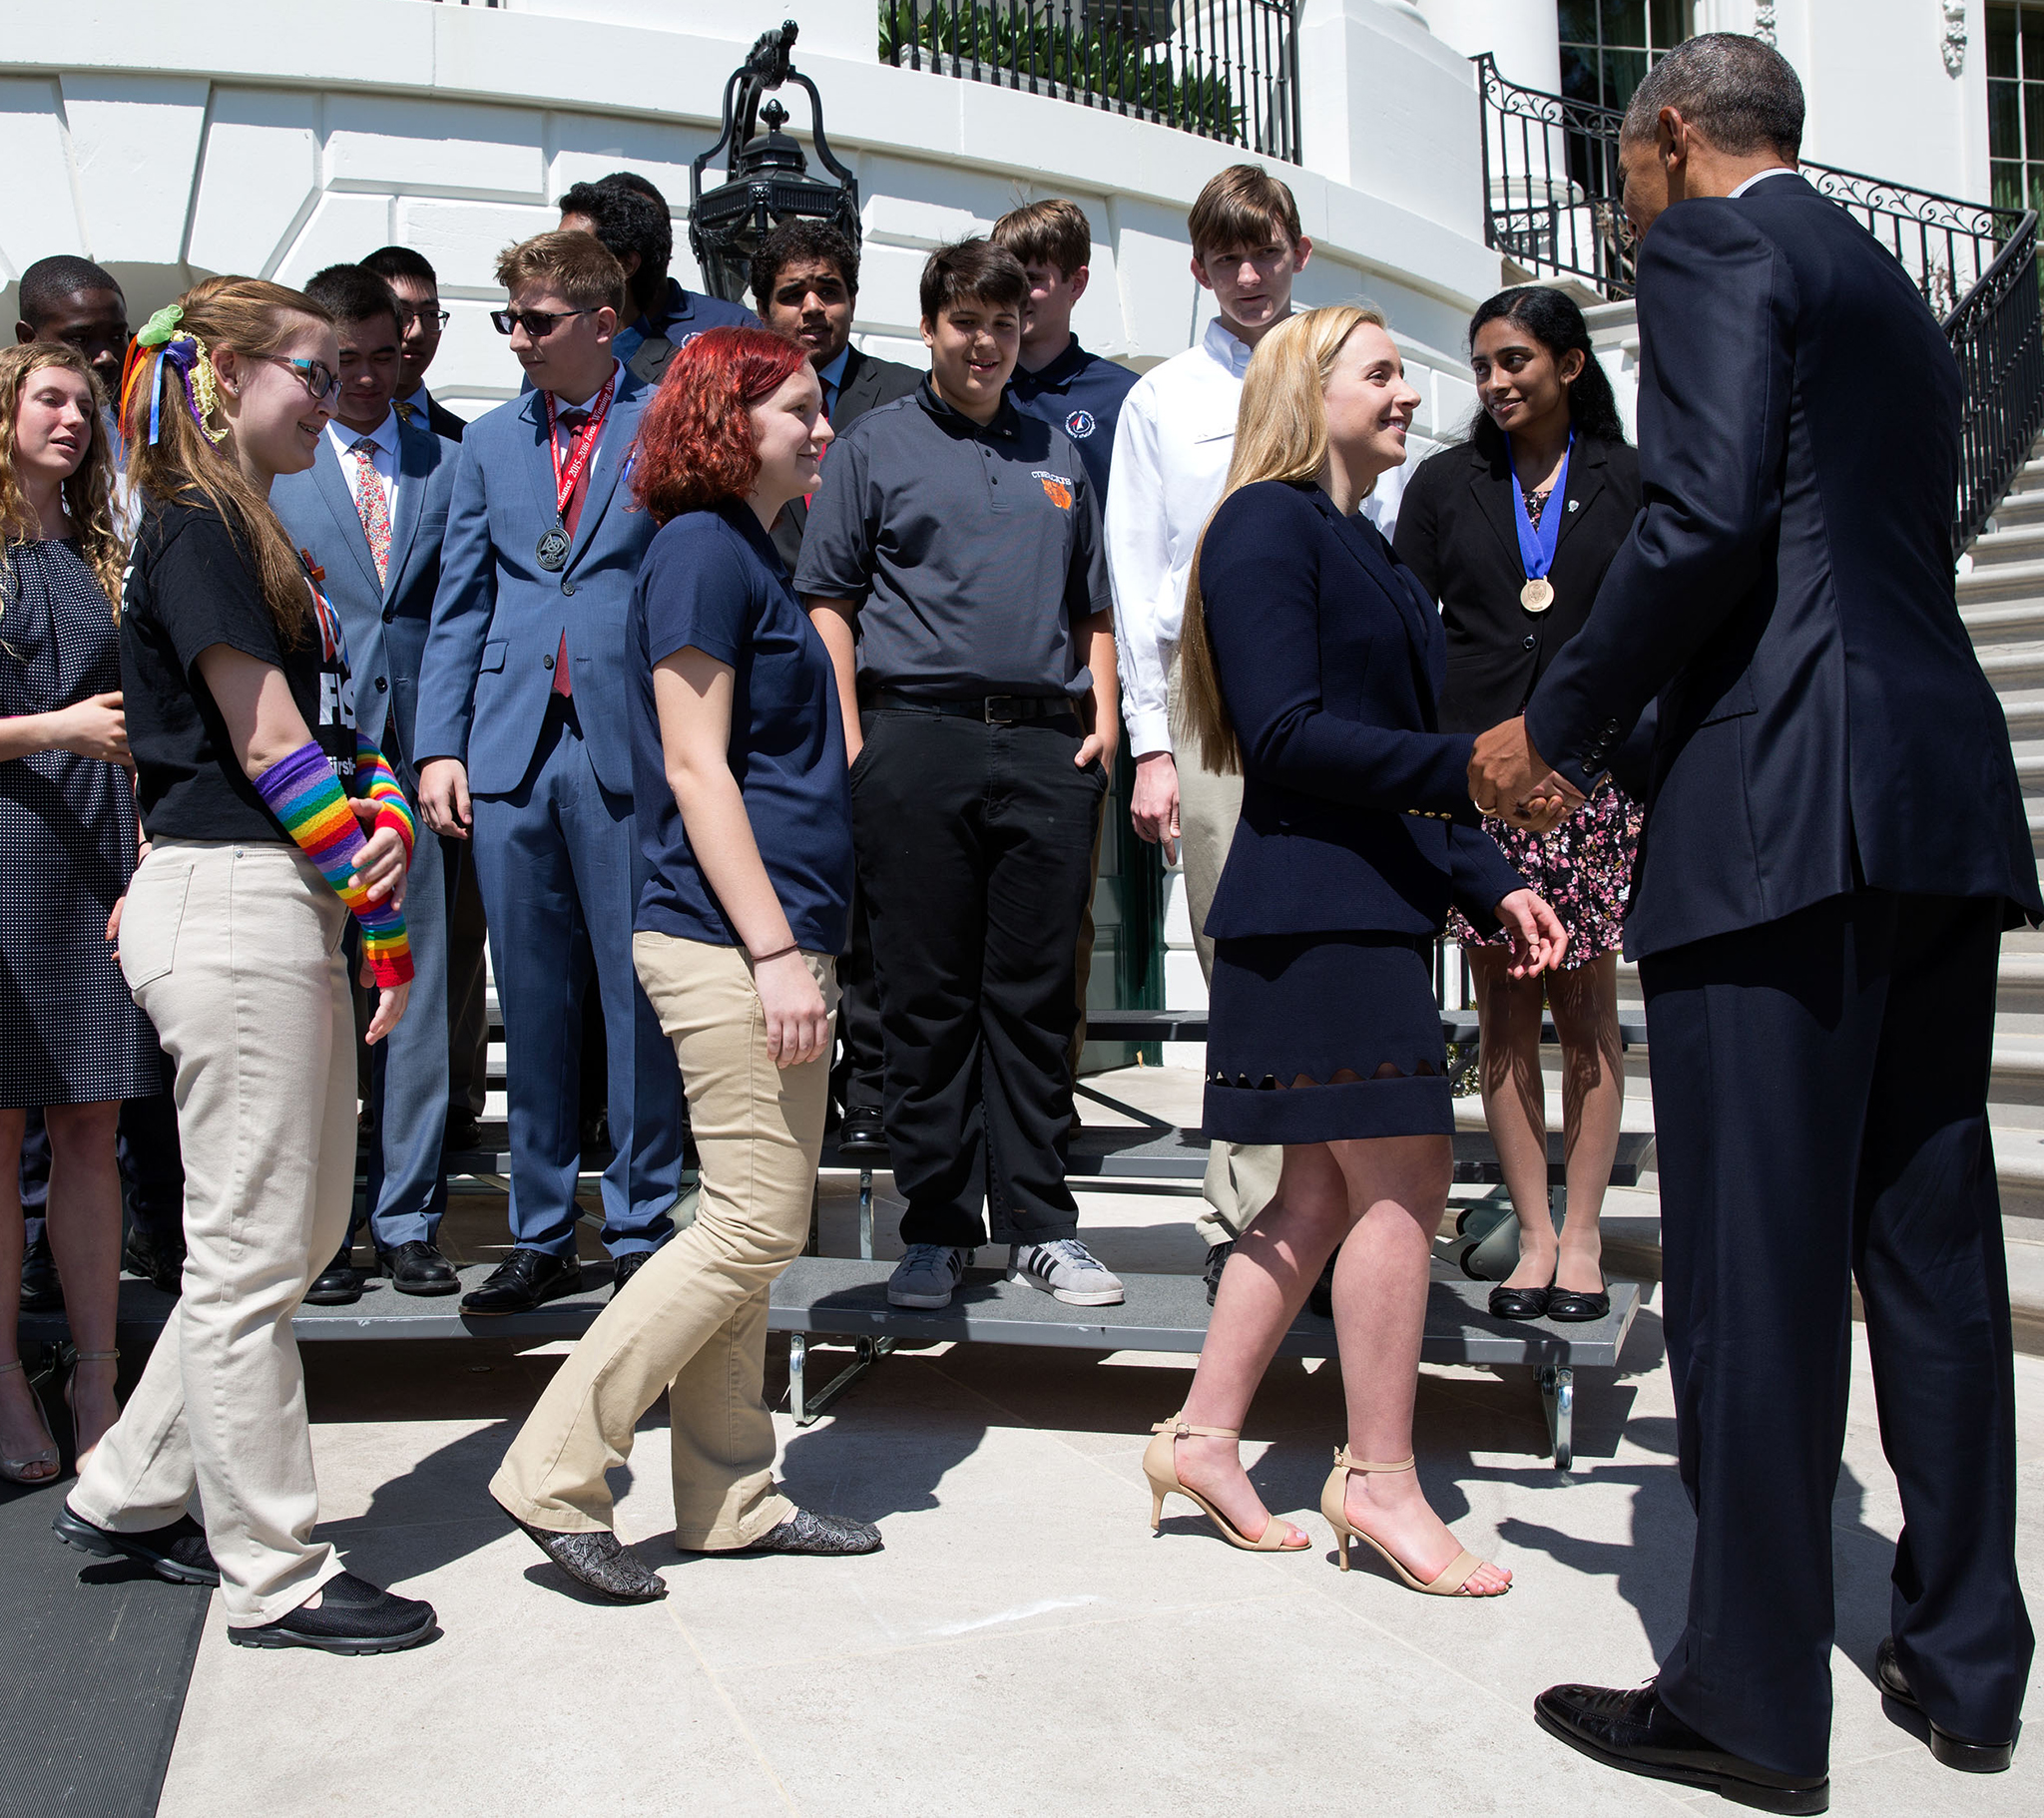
[(1536, 546)]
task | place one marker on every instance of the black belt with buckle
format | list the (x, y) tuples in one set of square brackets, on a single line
[(993, 709)]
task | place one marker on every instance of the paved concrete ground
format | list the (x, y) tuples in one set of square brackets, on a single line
[(1024, 1644)]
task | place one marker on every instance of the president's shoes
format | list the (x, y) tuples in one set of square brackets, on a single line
[(1967, 1757), (1634, 1731), (524, 1279)]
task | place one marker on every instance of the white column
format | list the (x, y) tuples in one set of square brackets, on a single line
[(1523, 34)]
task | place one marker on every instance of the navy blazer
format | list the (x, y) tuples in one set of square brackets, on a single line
[(385, 622), (1787, 592), (1356, 810), (499, 618)]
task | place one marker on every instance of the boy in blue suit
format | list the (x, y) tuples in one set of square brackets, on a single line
[(370, 512), (523, 747)]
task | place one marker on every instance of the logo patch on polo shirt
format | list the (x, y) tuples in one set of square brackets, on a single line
[(1080, 424), (1057, 487)]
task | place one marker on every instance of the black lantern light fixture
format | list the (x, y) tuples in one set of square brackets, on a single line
[(770, 181)]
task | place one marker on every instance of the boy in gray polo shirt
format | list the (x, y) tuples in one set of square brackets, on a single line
[(953, 564)]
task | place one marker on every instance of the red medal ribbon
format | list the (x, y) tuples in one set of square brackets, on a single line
[(583, 443)]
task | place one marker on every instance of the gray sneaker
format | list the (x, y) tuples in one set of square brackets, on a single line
[(926, 1276), (1064, 1269)]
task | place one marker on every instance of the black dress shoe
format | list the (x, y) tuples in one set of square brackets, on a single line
[(40, 1292), (523, 1280), (1631, 1730), (598, 1560), (464, 1131), (862, 1136), (1967, 1757), (807, 1532), (353, 1617), (1216, 1260), (178, 1552), (624, 1269), (594, 1132), (161, 1265), (337, 1286), (1321, 1297), (1520, 1303), (1567, 1305), (418, 1268)]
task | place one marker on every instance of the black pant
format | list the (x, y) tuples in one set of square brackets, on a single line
[(858, 1080), (152, 1169), (974, 844), (1821, 1110)]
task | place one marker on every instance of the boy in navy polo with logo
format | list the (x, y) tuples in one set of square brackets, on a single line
[(1056, 378), (953, 564)]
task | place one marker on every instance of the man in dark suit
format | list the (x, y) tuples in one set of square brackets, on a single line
[(805, 282), (523, 749), (372, 511), (414, 284), (1835, 843)]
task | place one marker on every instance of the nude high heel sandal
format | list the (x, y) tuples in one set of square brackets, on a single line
[(1159, 1466), (1335, 1506), (16, 1470), (73, 1358)]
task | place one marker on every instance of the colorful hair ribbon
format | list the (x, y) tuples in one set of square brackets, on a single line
[(162, 342)]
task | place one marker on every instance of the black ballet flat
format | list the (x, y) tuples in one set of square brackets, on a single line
[(1570, 1307), (1519, 1304)]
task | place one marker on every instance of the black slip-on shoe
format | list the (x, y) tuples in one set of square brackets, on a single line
[(1572, 1308), (1953, 1751), (1633, 1731), (337, 1286), (523, 1280), (353, 1617), (1520, 1303), (598, 1560), (862, 1136), (1216, 1260), (418, 1268), (178, 1552)]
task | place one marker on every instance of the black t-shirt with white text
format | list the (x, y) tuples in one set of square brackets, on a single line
[(191, 586)]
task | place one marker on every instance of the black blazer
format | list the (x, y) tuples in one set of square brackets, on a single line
[(1787, 592), (1459, 536), (1356, 810), (442, 421), (866, 383)]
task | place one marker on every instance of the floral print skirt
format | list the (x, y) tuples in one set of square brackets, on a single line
[(1583, 867)]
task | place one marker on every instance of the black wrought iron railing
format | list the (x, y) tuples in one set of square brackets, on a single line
[(1552, 192), (1224, 69)]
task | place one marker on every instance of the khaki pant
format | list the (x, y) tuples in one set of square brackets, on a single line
[(234, 952), (693, 1322), (1241, 1180)]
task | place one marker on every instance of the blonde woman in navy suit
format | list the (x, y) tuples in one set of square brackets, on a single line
[(1311, 663)]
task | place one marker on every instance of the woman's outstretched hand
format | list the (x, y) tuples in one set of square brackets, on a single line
[(1535, 932), (797, 1025)]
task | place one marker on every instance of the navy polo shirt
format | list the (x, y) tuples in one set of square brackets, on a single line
[(970, 551), (710, 580), (1082, 394)]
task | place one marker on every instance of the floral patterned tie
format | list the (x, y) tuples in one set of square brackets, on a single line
[(373, 504)]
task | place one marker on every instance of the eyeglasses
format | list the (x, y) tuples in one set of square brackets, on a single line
[(435, 319), (322, 382), (538, 323)]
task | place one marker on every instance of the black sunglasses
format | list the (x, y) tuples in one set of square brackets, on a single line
[(538, 323)]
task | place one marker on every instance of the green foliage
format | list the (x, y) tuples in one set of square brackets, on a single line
[(1120, 69)]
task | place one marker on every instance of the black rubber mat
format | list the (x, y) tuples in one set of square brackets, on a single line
[(94, 1656)]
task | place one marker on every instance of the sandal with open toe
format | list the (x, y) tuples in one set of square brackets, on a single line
[(1449, 1581), (1159, 1466), (16, 1470)]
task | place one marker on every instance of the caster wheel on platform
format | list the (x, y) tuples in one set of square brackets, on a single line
[(1494, 1255)]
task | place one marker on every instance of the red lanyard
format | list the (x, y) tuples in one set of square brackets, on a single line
[(582, 443)]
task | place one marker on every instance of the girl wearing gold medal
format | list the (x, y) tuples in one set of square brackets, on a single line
[(1511, 531)]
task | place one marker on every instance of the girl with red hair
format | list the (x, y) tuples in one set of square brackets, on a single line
[(744, 820)]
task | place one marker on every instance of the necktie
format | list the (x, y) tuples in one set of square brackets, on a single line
[(574, 422), (404, 411), (373, 504)]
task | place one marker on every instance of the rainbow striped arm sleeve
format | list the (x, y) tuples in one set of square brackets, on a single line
[(304, 795), (376, 781)]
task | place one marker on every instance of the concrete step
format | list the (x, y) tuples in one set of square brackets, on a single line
[(1999, 605), (2019, 508), (2017, 538)]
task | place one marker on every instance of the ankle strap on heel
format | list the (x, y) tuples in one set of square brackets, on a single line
[(1179, 1428), (1343, 1462)]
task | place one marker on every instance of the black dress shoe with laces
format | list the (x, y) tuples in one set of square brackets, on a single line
[(862, 1136), (807, 1532), (464, 1133), (1953, 1751), (337, 1286), (523, 1280), (178, 1552), (1216, 1260), (418, 1268), (1634, 1731), (40, 1292), (626, 1267), (161, 1265), (598, 1560), (353, 1617)]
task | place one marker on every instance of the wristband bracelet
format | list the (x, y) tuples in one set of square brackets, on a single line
[(780, 953)]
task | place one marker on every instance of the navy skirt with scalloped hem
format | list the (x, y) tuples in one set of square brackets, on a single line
[(1288, 1007)]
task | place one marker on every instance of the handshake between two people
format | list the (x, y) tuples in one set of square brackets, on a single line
[(1510, 781)]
